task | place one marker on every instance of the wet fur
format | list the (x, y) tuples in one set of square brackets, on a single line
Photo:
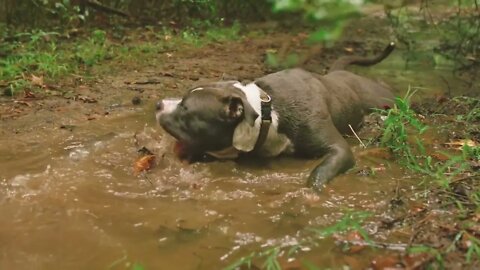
[(313, 111)]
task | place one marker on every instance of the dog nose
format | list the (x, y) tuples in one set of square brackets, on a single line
[(159, 106)]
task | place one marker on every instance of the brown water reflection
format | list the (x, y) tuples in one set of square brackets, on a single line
[(70, 200)]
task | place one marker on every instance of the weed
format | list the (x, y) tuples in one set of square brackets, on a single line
[(38, 54), (93, 50), (401, 134), (400, 130), (219, 34), (429, 250), (351, 221)]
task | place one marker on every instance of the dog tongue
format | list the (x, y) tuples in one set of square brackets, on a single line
[(180, 149)]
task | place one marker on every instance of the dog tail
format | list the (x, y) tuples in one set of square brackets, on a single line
[(345, 61)]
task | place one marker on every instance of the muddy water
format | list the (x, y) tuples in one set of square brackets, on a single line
[(69, 199)]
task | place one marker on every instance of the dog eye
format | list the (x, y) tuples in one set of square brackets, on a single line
[(183, 106)]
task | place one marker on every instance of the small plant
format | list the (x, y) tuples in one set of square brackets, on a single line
[(351, 221), (94, 49), (190, 36), (37, 54), (223, 33), (400, 134)]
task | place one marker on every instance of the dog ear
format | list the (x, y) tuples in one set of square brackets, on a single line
[(247, 130), (236, 108)]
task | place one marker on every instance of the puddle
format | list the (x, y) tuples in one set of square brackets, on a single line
[(70, 200), (69, 197)]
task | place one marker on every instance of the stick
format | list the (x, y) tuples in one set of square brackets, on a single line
[(389, 246), (356, 136)]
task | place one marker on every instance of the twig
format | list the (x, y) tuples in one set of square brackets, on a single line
[(389, 246), (356, 136)]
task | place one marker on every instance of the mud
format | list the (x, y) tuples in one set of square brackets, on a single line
[(70, 198)]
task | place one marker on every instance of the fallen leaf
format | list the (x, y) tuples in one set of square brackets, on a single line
[(22, 102), (440, 156), (459, 144), (354, 237), (386, 262), (416, 261), (144, 163), (37, 81), (348, 242), (87, 99), (28, 94), (348, 49)]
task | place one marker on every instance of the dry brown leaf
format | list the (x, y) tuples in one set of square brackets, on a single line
[(87, 99), (23, 103), (352, 242), (37, 81), (144, 163), (416, 261), (440, 156), (459, 144), (386, 262), (348, 49), (354, 237), (29, 94)]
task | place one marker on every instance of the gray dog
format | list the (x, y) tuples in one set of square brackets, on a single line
[(290, 111)]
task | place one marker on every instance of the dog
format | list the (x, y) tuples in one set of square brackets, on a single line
[(292, 111)]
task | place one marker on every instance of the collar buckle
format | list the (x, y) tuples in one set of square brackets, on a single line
[(266, 117)]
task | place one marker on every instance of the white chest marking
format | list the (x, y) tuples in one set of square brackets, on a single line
[(245, 136)]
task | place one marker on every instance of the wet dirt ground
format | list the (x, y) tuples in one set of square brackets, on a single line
[(70, 198)]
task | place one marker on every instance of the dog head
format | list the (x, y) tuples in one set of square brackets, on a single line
[(207, 118)]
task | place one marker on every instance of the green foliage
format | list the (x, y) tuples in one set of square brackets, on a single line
[(351, 221), (330, 15), (94, 50), (38, 54), (401, 134), (473, 115), (211, 33), (448, 37), (275, 61), (220, 34), (429, 250)]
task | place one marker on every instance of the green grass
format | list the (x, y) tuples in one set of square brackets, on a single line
[(51, 56), (402, 134), (268, 257)]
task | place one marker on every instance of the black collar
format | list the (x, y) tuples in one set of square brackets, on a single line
[(266, 119)]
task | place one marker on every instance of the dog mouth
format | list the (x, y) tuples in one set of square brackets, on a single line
[(182, 150)]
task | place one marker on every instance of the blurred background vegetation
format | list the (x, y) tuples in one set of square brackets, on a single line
[(444, 31)]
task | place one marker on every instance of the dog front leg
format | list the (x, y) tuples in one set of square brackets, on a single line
[(338, 160), (338, 157)]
